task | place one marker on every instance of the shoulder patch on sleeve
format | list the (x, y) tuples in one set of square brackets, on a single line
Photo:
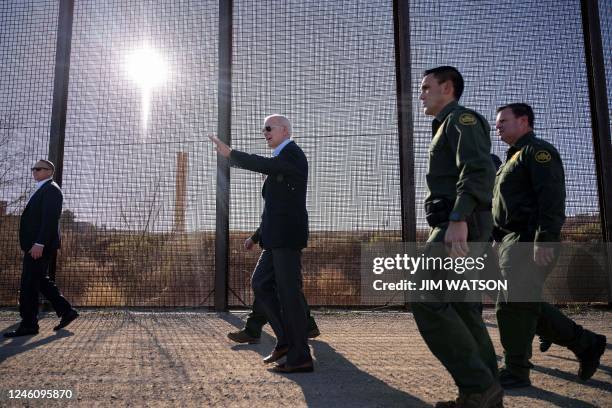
[(542, 156), (467, 119)]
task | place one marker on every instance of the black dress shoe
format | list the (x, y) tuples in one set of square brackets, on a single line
[(276, 355), (307, 367), (21, 331), (66, 319)]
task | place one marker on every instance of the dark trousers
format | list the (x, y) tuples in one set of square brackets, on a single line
[(257, 319), (35, 280), (277, 284)]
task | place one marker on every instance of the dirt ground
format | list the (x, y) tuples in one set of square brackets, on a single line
[(183, 358)]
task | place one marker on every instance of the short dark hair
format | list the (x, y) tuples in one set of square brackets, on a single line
[(448, 73), (519, 109), (48, 163)]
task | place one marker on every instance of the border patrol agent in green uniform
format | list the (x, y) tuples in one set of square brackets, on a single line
[(460, 180), (256, 320), (529, 207)]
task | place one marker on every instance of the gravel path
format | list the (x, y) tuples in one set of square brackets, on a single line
[(183, 358)]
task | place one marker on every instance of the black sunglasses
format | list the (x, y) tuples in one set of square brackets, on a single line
[(40, 168), (268, 128)]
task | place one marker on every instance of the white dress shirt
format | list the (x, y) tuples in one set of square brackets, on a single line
[(280, 147)]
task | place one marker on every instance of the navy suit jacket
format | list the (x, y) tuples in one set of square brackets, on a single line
[(284, 222), (40, 219)]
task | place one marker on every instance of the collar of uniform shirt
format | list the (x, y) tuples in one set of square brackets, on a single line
[(280, 147), (524, 140), (446, 110)]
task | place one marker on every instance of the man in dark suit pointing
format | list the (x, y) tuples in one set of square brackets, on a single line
[(283, 233), (39, 238)]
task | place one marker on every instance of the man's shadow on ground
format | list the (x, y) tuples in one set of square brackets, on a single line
[(336, 381), (537, 393), (555, 399), (10, 347), (606, 386)]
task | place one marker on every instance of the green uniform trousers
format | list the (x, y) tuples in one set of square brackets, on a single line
[(456, 334), (519, 322)]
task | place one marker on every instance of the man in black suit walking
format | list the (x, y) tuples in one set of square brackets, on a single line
[(256, 320), (39, 238), (283, 233)]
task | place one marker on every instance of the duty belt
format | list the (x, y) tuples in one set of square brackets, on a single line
[(438, 211)]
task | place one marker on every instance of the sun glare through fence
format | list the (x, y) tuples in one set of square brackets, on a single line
[(139, 175), (148, 70)]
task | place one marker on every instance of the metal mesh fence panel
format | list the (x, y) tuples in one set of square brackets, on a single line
[(28, 31), (139, 175), (531, 52), (329, 67), (605, 18)]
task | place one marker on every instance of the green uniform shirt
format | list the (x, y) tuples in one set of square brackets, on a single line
[(460, 169), (529, 194)]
